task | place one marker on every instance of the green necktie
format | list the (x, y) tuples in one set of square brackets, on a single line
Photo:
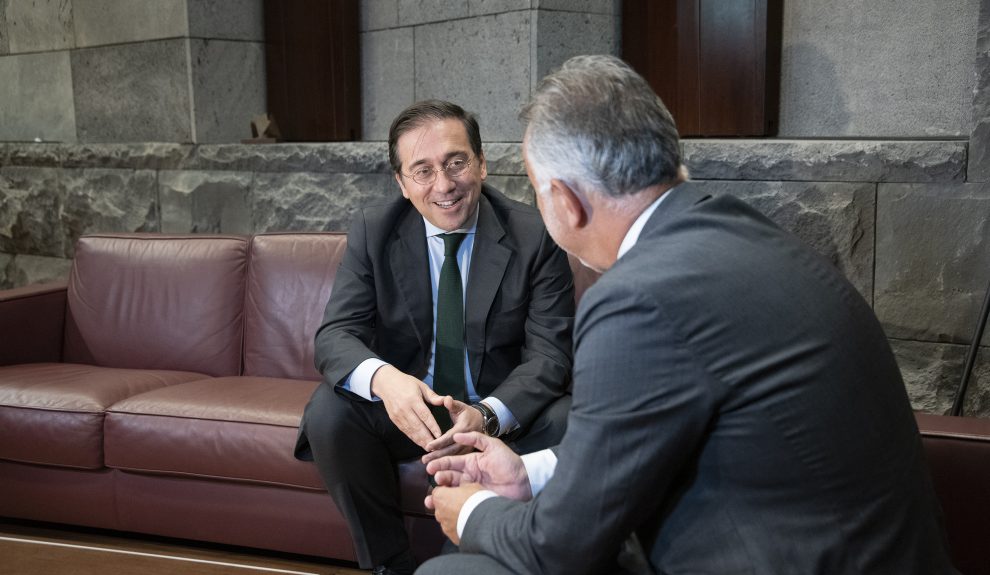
[(448, 358)]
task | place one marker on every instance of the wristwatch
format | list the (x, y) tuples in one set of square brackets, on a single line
[(489, 419)]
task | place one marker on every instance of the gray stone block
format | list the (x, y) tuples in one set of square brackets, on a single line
[(413, 12), (932, 372), (515, 187), (482, 63), (133, 93), (504, 158), (205, 202), (591, 6), (103, 22), (101, 200), (979, 140), (34, 155), (38, 26), (228, 80), (933, 265), (4, 34), (31, 201), (334, 157), (7, 276), (136, 156), (315, 202), (920, 86), (22, 270), (484, 7), (38, 103), (826, 160), (227, 19), (561, 35), (378, 14), (387, 79), (833, 218)]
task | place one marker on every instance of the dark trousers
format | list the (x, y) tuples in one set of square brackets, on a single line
[(356, 448)]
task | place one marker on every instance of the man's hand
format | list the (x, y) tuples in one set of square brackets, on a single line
[(494, 466), (446, 502), (405, 399), (465, 418)]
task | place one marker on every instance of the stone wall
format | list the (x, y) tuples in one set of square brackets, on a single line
[(486, 54), (897, 217), (130, 70)]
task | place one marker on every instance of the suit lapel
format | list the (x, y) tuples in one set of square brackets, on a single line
[(411, 267), (488, 264)]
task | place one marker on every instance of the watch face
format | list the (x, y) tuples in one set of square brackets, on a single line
[(491, 427)]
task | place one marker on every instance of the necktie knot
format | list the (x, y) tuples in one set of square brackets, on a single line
[(451, 242)]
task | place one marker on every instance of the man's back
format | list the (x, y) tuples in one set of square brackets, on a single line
[(809, 460)]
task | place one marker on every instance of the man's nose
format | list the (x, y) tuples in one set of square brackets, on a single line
[(444, 182)]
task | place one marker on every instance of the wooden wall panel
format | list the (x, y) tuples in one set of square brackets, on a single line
[(715, 63), (312, 57)]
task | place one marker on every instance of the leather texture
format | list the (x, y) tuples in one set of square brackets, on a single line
[(157, 302), (289, 280), (52, 413), (958, 454), (39, 313), (232, 428)]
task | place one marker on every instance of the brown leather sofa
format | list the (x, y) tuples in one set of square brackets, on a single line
[(160, 391), (958, 453)]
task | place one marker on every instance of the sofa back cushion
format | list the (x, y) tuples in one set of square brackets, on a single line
[(290, 278), (157, 301)]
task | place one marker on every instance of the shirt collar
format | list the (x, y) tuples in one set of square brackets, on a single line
[(632, 236), (470, 227)]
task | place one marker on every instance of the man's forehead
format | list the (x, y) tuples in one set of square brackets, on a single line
[(446, 137)]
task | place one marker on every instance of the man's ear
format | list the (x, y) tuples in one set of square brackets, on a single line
[(568, 204), (398, 178), (484, 166)]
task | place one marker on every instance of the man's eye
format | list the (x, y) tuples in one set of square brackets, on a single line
[(456, 164), (422, 172)]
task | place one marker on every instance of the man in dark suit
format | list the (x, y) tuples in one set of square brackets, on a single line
[(452, 311), (737, 408)]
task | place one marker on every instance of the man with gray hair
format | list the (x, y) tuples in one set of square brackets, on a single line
[(736, 405)]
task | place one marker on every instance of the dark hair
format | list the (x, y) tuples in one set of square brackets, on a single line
[(417, 114)]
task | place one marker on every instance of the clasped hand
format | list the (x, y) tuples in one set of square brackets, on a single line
[(406, 400)]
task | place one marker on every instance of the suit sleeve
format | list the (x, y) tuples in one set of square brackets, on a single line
[(544, 372), (641, 406), (343, 340)]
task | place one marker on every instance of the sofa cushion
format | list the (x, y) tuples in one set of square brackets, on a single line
[(52, 413), (240, 428), (155, 301), (289, 280)]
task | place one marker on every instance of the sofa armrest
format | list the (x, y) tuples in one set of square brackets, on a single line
[(32, 323), (958, 453)]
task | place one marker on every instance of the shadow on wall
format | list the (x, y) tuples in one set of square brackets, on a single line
[(811, 100)]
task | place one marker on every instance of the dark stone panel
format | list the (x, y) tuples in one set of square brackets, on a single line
[(835, 219), (933, 260), (932, 373)]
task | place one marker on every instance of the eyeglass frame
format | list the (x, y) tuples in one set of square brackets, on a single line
[(435, 171)]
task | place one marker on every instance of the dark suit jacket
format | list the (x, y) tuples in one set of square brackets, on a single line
[(519, 309), (736, 404)]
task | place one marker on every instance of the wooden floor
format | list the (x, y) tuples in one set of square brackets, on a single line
[(28, 548)]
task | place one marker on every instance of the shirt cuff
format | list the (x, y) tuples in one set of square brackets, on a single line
[(540, 466), (469, 506), (506, 421), (359, 381)]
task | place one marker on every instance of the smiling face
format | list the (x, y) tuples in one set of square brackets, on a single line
[(448, 202)]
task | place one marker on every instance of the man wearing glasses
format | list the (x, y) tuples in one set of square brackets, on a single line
[(452, 311)]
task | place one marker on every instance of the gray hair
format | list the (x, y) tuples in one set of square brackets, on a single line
[(595, 123)]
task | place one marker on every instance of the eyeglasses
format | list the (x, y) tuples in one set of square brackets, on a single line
[(425, 175)]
